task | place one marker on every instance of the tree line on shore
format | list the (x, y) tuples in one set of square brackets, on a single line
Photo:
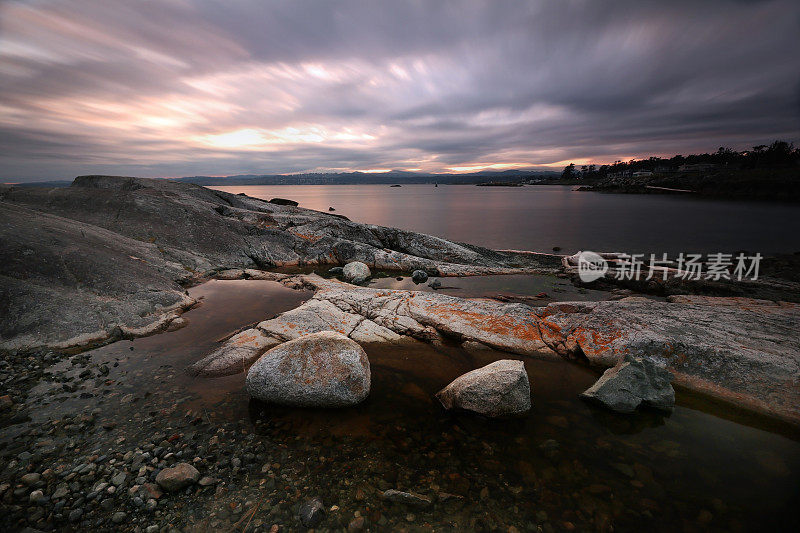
[(777, 155)]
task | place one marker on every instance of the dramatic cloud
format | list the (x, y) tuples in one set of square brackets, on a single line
[(183, 87)]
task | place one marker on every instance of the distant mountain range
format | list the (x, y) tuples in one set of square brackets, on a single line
[(351, 178), (364, 178)]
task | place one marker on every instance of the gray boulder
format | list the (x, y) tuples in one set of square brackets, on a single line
[(324, 369), (499, 389), (178, 477), (419, 276), (633, 382), (356, 272)]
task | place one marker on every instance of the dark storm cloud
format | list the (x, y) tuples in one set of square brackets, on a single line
[(184, 87)]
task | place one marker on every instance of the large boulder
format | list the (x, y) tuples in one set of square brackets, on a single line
[(324, 369), (178, 477), (356, 272), (499, 389), (633, 382)]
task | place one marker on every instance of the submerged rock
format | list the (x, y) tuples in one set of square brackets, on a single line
[(419, 276), (499, 389), (311, 512), (324, 369), (406, 498), (356, 272), (633, 382), (178, 477)]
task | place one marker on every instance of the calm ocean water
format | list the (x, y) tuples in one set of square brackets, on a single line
[(541, 217)]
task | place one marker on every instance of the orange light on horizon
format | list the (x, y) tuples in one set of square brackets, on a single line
[(493, 166)]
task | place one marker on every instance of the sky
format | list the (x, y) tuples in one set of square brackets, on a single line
[(195, 87)]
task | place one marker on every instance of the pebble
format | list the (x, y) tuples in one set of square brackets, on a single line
[(119, 517), (206, 481), (406, 498), (178, 477), (6, 402), (30, 479), (357, 524), (311, 512)]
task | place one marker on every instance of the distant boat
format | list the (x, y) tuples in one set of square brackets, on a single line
[(395, 185)]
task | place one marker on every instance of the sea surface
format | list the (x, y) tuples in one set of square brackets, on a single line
[(541, 217)]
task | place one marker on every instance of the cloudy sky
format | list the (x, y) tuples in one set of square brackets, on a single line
[(185, 87)]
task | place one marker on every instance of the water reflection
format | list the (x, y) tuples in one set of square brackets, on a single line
[(575, 462), (541, 217)]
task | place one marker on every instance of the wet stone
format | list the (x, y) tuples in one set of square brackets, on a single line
[(406, 498), (633, 382), (30, 479), (311, 512)]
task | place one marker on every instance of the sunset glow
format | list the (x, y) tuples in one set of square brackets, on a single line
[(177, 88)]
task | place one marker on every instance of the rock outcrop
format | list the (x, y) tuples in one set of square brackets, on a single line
[(324, 369), (235, 355), (735, 349), (110, 256), (633, 382), (497, 390)]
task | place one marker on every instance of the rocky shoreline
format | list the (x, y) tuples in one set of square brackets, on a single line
[(111, 257), (739, 350), (115, 258)]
